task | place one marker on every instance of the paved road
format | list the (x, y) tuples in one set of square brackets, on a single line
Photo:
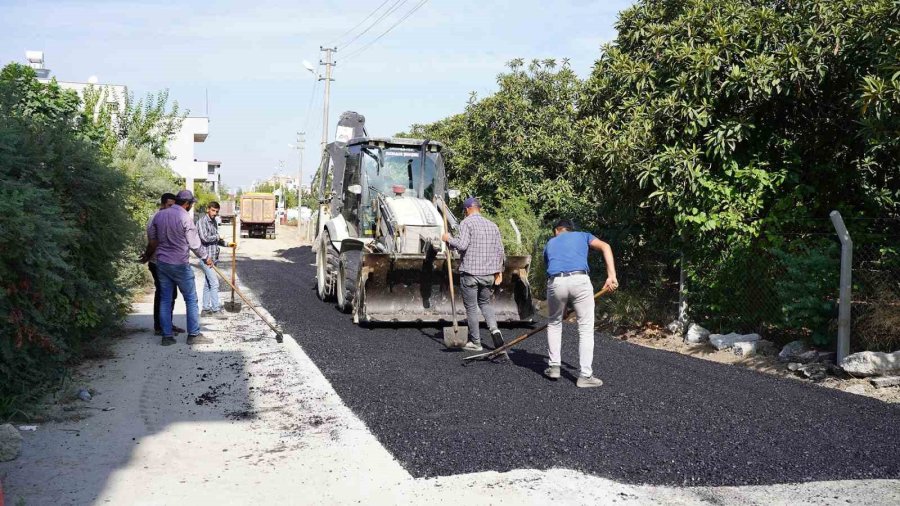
[(660, 418)]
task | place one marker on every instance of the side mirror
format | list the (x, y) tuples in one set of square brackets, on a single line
[(355, 189), (453, 193)]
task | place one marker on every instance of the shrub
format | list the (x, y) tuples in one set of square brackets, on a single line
[(62, 232)]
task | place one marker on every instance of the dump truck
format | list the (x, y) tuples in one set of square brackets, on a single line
[(226, 211), (379, 253), (258, 215)]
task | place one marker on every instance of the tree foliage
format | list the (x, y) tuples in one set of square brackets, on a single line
[(148, 123), (722, 117), (60, 232), (76, 189), (709, 128), (520, 141)]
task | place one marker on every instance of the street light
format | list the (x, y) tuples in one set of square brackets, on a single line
[(301, 143)]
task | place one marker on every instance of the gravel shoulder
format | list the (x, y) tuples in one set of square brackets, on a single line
[(248, 420), (660, 339)]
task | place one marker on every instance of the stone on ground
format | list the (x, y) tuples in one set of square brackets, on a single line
[(726, 341), (872, 363), (887, 381), (676, 327), (696, 334), (792, 351), (10, 442), (745, 349)]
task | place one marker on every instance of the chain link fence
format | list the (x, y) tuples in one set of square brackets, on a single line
[(783, 287), (875, 310)]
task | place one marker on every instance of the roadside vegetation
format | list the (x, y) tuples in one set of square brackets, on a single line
[(78, 182), (719, 134)]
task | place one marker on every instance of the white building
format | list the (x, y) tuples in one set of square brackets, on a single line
[(113, 95), (213, 176), (184, 163), (194, 129)]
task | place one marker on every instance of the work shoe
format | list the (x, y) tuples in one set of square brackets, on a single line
[(588, 382), (552, 372), (199, 339), (167, 340), (177, 330), (206, 312), (497, 337), (219, 314), (472, 346)]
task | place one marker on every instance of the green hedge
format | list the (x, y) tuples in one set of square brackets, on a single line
[(63, 230)]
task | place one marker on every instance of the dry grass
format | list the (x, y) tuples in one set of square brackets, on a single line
[(878, 327)]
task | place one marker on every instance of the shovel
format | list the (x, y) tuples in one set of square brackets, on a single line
[(455, 336), (497, 351), (233, 307)]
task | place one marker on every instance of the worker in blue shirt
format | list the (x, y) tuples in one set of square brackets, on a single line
[(567, 281)]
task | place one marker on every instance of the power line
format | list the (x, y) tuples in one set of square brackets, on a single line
[(357, 25), (393, 7), (408, 14), (312, 97)]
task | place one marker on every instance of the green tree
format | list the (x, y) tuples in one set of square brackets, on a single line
[(724, 125), (61, 235), (148, 123), (521, 141)]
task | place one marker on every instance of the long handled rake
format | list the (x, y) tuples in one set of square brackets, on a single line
[(279, 337), (497, 351)]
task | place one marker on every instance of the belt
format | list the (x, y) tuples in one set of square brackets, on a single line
[(564, 274)]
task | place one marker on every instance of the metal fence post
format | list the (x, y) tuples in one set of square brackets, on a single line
[(682, 299), (843, 344)]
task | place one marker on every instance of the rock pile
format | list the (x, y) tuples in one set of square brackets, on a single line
[(10, 442)]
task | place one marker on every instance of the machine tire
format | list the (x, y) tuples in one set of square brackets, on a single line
[(327, 263), (348, 280)]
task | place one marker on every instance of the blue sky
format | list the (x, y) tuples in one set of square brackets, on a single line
[(248, 56)]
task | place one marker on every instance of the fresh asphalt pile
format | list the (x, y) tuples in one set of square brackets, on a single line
[(660, 418)]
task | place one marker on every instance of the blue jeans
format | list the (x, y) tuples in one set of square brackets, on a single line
[(210, 288), (180, 275)]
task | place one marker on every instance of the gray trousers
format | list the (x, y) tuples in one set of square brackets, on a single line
[(477, 292), (576, 289)]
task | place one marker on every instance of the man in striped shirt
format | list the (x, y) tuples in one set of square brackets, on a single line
[(208, 229), (481, 268)]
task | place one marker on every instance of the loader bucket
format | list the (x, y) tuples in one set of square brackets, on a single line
[(413, 288)]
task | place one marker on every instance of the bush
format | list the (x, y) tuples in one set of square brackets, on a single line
[(531, 238), (63, 230)]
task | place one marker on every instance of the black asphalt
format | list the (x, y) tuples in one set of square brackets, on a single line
[(660, 417)]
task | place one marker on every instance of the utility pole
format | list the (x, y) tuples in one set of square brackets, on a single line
[(301, 143), (327, 78)]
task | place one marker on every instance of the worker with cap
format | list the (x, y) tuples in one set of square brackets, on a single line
[(166, 201), (172, 236), (480, 268), (566, 258)]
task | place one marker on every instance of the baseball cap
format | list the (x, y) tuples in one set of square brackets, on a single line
[(185, 196), (471, 202)]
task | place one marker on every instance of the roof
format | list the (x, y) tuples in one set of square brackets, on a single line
[(403, 141)]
